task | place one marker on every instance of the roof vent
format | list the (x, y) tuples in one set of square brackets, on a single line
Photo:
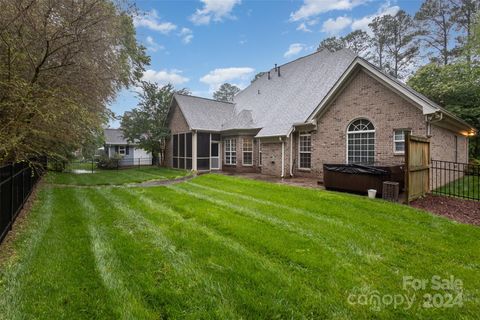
[(278, 71), (268, 75), (258, 91), (275, 67)]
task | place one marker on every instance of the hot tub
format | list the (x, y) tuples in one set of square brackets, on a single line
[(357, 178)]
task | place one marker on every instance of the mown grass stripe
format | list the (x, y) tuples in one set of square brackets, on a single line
[(183, 265), (283, 272), (318, 238), (378, 219), (126, 304), (12, 294), (321, 218)]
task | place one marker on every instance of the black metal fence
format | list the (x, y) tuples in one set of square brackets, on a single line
[(16, 184), (455, 179)]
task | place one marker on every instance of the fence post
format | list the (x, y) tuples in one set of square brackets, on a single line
[(92, 165), (407, 165)]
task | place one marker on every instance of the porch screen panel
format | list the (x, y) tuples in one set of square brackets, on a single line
[(188, 150), (181, 151), (175, 150), (203, 151)]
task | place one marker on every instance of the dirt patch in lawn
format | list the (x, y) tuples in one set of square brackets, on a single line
[(465, 211)]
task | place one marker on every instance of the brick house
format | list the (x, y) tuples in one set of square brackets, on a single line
[(322, 108)]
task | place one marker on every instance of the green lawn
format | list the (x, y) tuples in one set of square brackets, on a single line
[(114, 177), (230, 248), (467, 187), (78, 165)]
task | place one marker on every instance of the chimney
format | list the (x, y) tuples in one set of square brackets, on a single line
[(268, 75), (278, 71)]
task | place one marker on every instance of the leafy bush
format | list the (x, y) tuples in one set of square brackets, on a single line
[(104, 162), (473, 168)]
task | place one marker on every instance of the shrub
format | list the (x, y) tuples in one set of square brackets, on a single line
[(104, 162)]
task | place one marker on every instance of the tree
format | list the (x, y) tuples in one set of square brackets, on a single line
[(226, 92), (464, 13), (147, 123), (456, 87), (92, 142), (258, 75), (435, 26), (331, 44), (379, 40), (400, 42), (357, 41), (61, 63)]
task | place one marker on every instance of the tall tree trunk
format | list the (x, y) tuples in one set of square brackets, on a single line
[(445, 41), (154, 157)]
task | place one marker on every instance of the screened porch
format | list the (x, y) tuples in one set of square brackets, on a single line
[(199, 151)]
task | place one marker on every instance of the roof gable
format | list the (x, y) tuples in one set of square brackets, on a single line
[(202, 113), (114, 136), (417, 99)]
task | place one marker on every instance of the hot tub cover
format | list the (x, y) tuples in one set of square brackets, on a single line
[(355, 169)]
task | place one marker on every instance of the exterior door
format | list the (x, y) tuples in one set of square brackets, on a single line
[(215, 156)]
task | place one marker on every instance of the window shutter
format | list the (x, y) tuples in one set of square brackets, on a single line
[(127, 150), (116, 149)]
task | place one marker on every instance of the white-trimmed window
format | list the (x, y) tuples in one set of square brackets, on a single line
[(361, 142), (230, 146), (247, 150), (399, 140), (122, 150), (305, 151), (259, 153)]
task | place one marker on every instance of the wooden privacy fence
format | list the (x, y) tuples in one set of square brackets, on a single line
[(417, 167)]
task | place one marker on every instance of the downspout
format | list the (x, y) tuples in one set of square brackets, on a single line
[(290, 135), (432, 118), (283, 158)]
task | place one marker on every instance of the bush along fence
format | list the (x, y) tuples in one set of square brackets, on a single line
[(16, 184), (90, 165), (455, 179)]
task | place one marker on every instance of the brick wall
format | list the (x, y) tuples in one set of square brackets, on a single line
[(363, 97), (442, 147), (239, 167)]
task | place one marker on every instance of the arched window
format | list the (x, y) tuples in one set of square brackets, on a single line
[(361, 142)]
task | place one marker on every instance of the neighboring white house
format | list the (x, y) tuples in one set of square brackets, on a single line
[(116, 143)]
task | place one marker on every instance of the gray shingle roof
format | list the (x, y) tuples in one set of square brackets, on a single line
[(272, 105), (114, 136), (278, 103), (204, 114), (242, 120)]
